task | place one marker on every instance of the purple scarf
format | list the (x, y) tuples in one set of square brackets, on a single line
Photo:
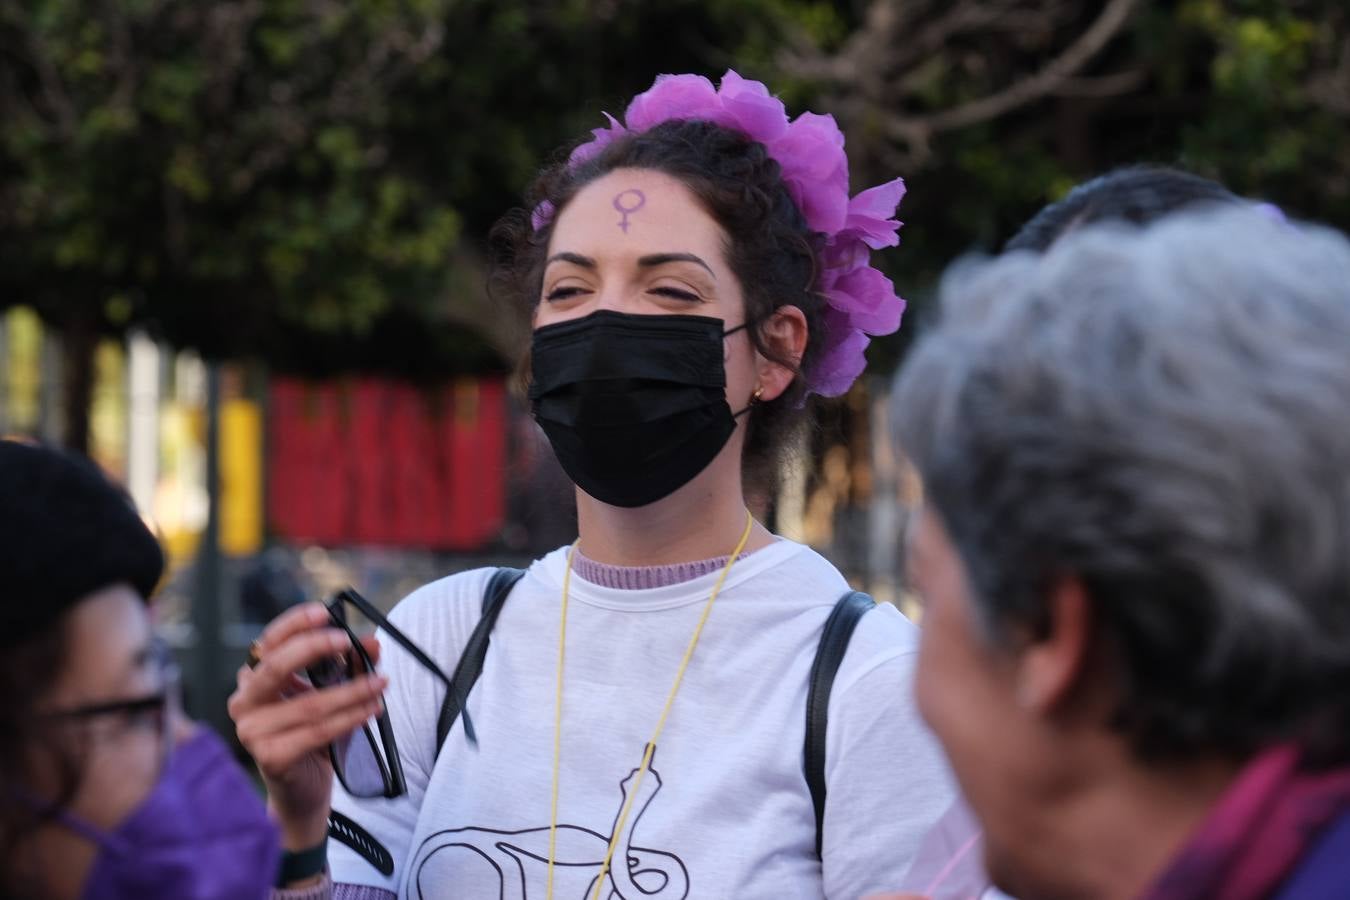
[(1261, 832)]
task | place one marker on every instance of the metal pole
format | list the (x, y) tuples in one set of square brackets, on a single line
[(208, 650)]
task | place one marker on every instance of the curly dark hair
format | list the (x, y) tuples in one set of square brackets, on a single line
[(772, 251)]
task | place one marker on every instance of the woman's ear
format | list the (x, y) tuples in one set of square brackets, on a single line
[(785, 333), (1051, 667)]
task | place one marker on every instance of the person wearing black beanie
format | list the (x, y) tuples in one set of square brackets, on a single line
[(66, 532), (101, 776)]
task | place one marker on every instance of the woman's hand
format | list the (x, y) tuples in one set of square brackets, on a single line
[(287, 725)]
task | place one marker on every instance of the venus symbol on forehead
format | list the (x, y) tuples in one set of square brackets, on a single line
[(628, 202)]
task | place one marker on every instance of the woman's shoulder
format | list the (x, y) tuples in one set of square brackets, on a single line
[(786, 562), (788, 569), (456, 599), (883, 638), (887, 630)]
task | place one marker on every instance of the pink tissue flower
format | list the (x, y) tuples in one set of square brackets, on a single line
[(601, 138), (842, 357), (869, 299), (542, 215), (815, 169), (871, 215), (757, 113), (842, 253), (674, 97)]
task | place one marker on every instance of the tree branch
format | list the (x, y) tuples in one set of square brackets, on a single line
[(1102, 86), (1107, 25)]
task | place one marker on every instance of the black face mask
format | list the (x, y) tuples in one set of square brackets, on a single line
[(634, 406)]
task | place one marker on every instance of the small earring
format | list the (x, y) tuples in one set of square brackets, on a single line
[(759, 392)]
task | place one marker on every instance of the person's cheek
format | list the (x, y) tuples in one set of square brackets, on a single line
[(932, 676)]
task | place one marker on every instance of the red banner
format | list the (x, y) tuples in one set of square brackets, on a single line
[(375, 461)]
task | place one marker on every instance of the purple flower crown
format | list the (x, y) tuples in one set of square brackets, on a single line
[(860, 301)]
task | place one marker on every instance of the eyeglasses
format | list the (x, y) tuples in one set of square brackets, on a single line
[(150, 713), (367, 766)]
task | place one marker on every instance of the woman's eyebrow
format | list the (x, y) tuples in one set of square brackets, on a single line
[(660, 259), (575, 259)]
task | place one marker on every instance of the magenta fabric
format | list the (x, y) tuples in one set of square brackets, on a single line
[(1258, 834)]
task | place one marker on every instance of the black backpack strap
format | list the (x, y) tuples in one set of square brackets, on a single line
[(833, 643), (471, 660)]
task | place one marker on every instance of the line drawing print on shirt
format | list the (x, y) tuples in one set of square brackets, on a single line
[(520, 858)]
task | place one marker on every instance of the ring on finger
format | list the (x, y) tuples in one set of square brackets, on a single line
[(254, 655)]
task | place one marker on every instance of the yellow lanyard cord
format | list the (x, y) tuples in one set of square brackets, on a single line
[(660, 723), (557, 720)]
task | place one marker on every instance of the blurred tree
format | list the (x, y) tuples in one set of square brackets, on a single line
[(992, 108), (295, 179), (310, 181)]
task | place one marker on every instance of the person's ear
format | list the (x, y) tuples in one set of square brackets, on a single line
[(1049, 666), (785, 332)]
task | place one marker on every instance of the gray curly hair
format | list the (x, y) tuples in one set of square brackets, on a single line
[(1165, 414)]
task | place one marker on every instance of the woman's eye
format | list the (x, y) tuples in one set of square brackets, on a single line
[(563, 293), (677, 294)]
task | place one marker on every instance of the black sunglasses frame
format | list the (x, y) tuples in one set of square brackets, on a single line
[(391, 771), (164, 702)]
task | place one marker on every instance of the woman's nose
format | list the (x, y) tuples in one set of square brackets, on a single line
[(615, 298)]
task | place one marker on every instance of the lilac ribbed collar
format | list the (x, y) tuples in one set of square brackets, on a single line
[(637, 578)]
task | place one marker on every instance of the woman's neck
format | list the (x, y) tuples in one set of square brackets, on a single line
[(1114, 839), (702, 520)]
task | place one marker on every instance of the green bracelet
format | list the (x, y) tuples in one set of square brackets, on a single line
[(301, 864)]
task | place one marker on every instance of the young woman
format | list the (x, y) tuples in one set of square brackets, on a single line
[(102, 781), (693, 274)]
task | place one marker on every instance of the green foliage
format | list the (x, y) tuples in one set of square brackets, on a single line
[(1227, 88), (294, 179), (306, 181), (1264, 132)]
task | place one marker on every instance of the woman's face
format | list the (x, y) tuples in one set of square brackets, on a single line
[(966, 692), (110, 657), (637, 241)]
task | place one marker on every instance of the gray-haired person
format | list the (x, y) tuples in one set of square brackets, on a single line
[(1135, 557)]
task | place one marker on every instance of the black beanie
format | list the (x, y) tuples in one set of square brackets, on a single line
[(66, 531)]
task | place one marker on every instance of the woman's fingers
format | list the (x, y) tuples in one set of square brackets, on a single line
[(296, 685), (276, 673), (278, 753), (272, 674), (280, 734), (312, 706), (300, 618), (279, 717)]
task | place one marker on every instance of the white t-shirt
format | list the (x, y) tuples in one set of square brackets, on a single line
[(724, 811)]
